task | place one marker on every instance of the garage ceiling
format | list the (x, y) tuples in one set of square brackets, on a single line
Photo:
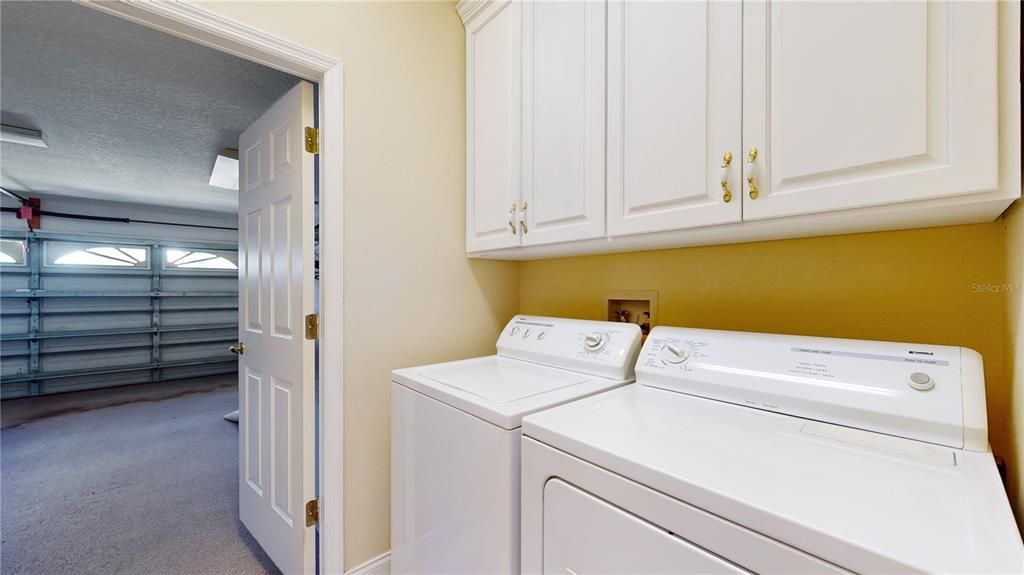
[(128, 113)]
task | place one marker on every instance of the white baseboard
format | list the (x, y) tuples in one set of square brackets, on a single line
[(380, 565)]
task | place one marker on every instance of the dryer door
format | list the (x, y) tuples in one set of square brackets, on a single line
[(584, 534)]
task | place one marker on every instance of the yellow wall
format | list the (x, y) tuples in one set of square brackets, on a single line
[(1013, 221), (407, 279), (938, 285)]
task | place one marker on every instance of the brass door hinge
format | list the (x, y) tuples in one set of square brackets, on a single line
[(312, 512), (313, 326), (312, 140)]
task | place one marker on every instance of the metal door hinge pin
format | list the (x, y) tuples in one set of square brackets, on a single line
[(313, 326), (312, 512), (312, 140)]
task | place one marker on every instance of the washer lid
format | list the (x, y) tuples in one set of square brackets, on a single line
[(499, 381), (501, 390), (868, 502)]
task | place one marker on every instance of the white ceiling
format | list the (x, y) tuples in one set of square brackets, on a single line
[(129, 113)]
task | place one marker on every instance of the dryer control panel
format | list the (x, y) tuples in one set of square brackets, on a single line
[(929, 393), (601, 348)]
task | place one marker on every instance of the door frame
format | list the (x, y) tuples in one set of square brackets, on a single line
[(210, 29)]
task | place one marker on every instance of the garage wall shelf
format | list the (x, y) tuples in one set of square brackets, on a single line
[(67, 326)]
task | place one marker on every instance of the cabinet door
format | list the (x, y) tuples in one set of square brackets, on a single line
[(493, 126), (564, 119), (674, 104), (854, 104)]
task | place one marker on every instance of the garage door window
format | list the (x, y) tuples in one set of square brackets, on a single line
[(200, 259), (12, 252), (96, 255)]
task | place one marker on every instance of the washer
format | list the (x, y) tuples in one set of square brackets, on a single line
[(455, 438), (740, 452)]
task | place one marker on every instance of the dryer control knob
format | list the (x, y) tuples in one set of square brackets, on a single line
[(595, 341), (675, 353), (921, 381)]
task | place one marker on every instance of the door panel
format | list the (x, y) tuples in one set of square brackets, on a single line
[(563, 121), (276, 393), (854, 104), (585, 534), (493, 131), (674, 103)]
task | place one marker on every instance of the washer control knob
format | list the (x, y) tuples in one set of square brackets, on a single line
[(675, 353), (526, 333), (595, 341), (514, 330), (921, 381), (542, 334)]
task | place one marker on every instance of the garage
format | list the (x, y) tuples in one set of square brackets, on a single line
[(119, 277)]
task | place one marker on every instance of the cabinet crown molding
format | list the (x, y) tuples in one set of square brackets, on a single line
[(470, 9)]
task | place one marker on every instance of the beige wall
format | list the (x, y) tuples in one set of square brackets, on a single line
[(1013, 221), (411, 296), (938, 285)]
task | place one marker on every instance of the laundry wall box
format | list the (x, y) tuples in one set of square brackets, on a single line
[(599, 127)]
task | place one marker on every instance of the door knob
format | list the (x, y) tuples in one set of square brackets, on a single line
[(238, 349)]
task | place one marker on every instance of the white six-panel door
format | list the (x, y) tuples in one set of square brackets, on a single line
[(563, 121), (493, 128), (276, 378), (854, 104), (674, 103)]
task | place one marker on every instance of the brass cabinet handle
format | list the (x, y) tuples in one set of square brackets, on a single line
[(238, 349), (522, 219), (726, 192), (751, 184), (512, 218)]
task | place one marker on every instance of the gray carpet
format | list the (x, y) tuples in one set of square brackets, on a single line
[(139, 487)]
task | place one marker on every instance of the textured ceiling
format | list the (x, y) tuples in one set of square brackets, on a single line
[(129, 113)]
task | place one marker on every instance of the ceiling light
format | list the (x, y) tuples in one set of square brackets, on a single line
[(225, 170), (24, 136)]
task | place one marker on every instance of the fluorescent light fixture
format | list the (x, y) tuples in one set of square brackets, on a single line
[(225, 170), (23, 136)]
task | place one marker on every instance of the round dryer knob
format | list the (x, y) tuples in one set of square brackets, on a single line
[(595, 341), (675, 353), (921, 381)]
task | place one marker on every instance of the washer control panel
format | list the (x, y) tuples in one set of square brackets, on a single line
[(926, 392), (607, 349)]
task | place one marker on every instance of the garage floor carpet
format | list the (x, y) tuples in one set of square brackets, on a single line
[(130, 480)]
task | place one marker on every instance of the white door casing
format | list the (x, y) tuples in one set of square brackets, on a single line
[(861, 104), (674, 111), (493, 127), (276, 372), (563, 121)]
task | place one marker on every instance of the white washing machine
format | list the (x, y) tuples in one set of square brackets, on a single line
[(740, 452), (455, 438)]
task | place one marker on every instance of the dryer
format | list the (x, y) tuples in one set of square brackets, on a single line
[(455, 439), (740, 452)]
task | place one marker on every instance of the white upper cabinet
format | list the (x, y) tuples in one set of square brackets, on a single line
[(493, 126), (854, 104), (598, 126), (674, 101), (563, 121)]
